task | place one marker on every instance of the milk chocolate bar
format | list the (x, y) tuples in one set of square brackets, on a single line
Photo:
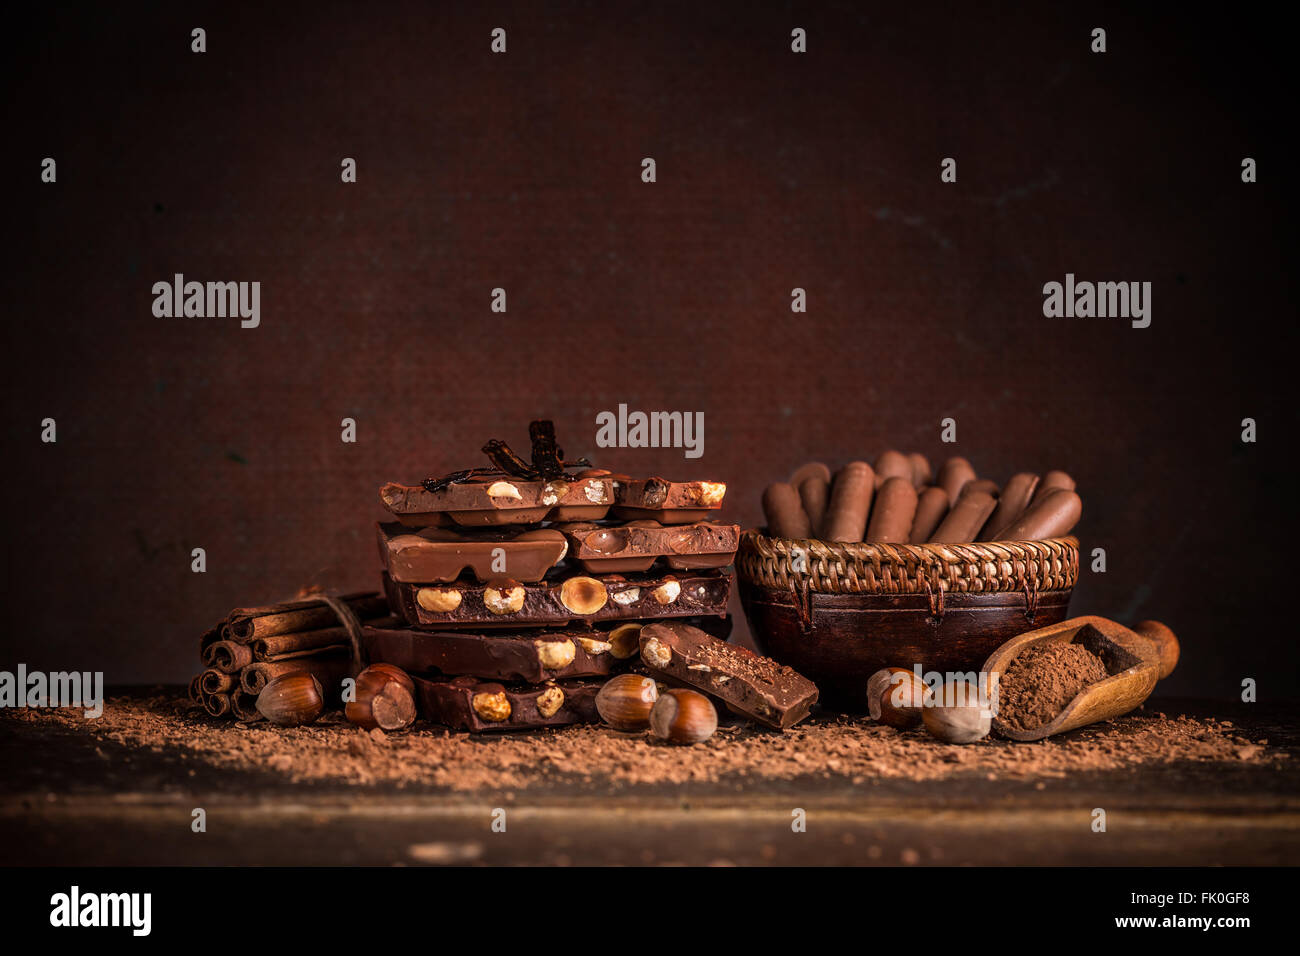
[(466, 703), (560, 599), (531, 657), (487, 501), (637, 545), (757, 687), (441, 554), (668, 502)]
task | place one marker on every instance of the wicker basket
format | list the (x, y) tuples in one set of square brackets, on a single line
[(839, 612)]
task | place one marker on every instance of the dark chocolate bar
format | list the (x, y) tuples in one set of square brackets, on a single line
[(467, 703), (757, 687), (531, 657), (637, 545), (668, 502), (560, 599), (441, 554), (507, 500)]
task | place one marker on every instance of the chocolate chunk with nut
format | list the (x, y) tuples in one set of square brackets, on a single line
[(757, 687), (639, 545), (466, 703), (668, 502), (531, 656), (507, 500), (560, 599), (433, 555)]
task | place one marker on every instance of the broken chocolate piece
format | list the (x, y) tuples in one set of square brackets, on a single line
[(560, 599), (500, 500), (668, 502), (757, 687), (531, 656), (637, 545), (466, 703), (441, 554)]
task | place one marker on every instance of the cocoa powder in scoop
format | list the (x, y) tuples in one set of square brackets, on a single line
[(1042, 680)]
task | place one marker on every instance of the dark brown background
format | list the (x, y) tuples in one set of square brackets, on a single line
[(522, 171)]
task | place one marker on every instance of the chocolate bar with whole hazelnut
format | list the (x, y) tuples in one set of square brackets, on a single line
[(431, 555), (560, 599), (756, 687), (637, 545), (668, 502), (531, 657), (467, 703), (479, 502)]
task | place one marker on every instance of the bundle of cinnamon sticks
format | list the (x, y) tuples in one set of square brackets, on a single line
[(254, 645)]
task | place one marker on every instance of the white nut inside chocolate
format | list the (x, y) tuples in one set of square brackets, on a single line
[(624, 641), (491, 707), (550, 700), (656, 654), (667, 592), (555, 654), (595, 647), (553, 492), (595, 492), (440, 600), (503, 600), (503, 489), (626, 596), (711, 493)]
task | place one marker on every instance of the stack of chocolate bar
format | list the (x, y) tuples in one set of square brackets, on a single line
[(515, 597)]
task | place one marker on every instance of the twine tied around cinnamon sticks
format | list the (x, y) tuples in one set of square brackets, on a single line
[(319, 633)]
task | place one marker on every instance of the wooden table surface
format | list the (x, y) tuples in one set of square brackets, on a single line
[(68, 797)]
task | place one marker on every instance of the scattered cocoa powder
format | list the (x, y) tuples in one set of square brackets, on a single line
[(851, 749), (1042, 680)]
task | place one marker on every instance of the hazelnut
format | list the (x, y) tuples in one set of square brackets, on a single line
[(292, 699), (626, 700), (626, 596), (550, 700), (583, 595), (895, 697), (667, 592), (385, 698), (656, 653), (555, 654), (683, 717), (710, 494), (505, 599), (491, 707), (625, 640), (594, 647), (438, 599), (958, 715), (595, 492), (503, 489), (553, 492)]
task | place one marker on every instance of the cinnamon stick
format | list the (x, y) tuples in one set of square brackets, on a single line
[(244, 706), (213, 681), (281, 645), (249, 624), (329, 670), (218, 705), (228, 657)]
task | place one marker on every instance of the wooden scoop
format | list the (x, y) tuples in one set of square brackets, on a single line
[(1135, 659)]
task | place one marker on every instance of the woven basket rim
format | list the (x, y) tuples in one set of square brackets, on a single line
[(840, 567), (862, 547)]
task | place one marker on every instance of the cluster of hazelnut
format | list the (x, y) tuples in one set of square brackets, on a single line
[(382, 696), (957, 714), (635, 702)]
